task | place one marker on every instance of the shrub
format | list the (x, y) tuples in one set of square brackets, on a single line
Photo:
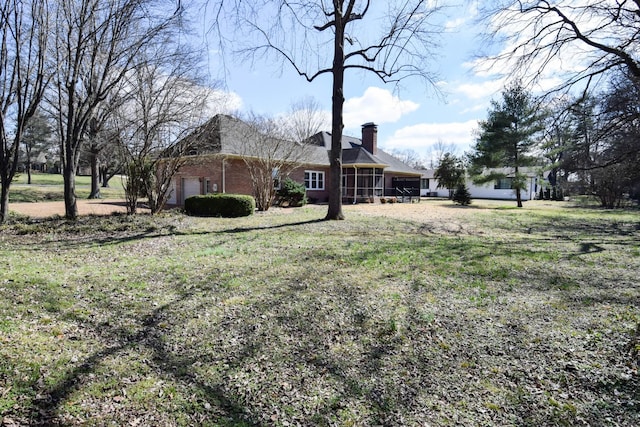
[(223, 205), (291, 193), (462, 195)]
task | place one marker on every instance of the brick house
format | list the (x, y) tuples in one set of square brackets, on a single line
[(218, 165)]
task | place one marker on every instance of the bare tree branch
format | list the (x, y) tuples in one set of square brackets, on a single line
[(575, 42), (297, 34), (24, 28)]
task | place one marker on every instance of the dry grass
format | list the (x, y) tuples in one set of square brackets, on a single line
[(401, 315)]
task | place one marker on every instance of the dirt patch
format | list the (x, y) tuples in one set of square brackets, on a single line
[(85, 207), (428, 211)]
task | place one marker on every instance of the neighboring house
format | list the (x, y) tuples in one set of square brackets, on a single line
[(501, 189), (218, 165), (429, 185), (39, 161)]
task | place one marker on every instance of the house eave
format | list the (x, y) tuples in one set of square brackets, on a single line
[(365, 165)]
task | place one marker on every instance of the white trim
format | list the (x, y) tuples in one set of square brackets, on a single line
[(313, 177)]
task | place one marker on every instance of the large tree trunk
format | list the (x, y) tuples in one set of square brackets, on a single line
[(95, 176), (69, 176), (334, 211), (8, 166), (4, 201)]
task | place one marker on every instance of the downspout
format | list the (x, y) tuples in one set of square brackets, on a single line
[(355, 185), (224, 176)]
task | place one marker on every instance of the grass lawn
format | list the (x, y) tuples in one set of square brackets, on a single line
[(49, 187), (496, 317)]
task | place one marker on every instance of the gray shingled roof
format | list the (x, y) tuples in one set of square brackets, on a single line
[(225, 134), (354, 153), (360, 156)]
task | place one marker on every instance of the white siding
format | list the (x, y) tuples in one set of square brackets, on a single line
[(487, 191)]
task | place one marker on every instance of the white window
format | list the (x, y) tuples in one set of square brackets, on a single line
[(503, 184), (314, 180)]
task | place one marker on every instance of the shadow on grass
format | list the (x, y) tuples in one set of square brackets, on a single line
[(100, 230), (393, 369), (46, 408), (272, 227), (334, 345)]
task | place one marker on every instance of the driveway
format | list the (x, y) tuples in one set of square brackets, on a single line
[(85, 207)]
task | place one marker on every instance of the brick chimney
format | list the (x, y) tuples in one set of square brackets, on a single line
[(370, 137)]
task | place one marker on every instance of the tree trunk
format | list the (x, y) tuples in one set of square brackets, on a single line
[(28, 166), (4, 201), (104, 176), (8, 166), (69, 176), (95, 176), (518, 190), (334, 211)]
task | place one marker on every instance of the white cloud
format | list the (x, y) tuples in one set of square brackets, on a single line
[(477, 108), (486, 89), (518, 29), (223, 102), (421, 136), (468, 14), (455, 23), (375, 105)]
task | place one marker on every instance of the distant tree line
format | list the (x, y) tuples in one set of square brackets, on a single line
[(589, 145), (585, 131), (108, 84)]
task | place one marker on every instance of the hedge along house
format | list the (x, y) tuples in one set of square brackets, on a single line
[(225, 145)]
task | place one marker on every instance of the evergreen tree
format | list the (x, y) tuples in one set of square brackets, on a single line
[(462, 195), (507, 140), (36, 138), (450, 173)]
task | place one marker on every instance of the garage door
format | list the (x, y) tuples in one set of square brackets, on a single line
[(190, 187)]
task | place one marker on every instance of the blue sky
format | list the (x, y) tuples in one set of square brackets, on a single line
[(413, 117)]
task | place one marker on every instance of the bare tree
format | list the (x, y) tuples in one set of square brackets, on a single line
[(304, 119), (24, 28), (270, 152), (437, 151), (327, 37), (96, 43), (409, 156), (99, 140), (165, 103), (584, 41)]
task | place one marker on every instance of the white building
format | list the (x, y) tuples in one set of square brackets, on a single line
[(500, 189)]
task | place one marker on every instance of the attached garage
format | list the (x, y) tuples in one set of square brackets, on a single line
[(190, 187)]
